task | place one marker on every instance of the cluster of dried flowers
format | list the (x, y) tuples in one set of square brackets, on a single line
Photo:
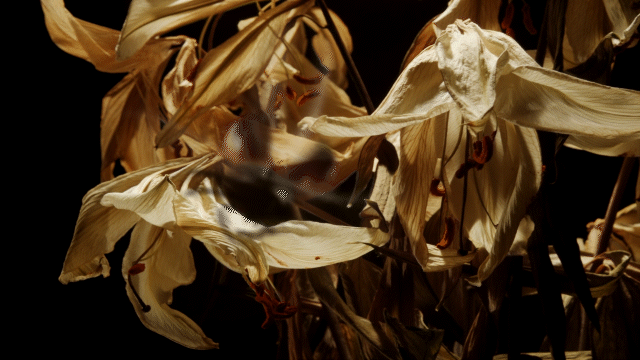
[(453, 152)]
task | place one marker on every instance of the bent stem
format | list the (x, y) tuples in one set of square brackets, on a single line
[(614, 204)]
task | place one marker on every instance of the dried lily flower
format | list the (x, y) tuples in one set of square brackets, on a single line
[(471, 83), (171, 195), (172, 202)]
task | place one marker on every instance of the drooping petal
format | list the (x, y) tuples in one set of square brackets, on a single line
[(96, 44), (499, 193), (130, 113), (307, 244), (146, 20), (598, 118), (98, 228), (168, 263), (471, 62), (125, 134), (418, 94), (590, 22), (231, 68), (420, 147), (200, 215)]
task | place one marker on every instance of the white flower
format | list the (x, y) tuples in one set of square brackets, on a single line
[(456, 94)]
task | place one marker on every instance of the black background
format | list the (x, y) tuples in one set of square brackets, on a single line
[(58, 161)]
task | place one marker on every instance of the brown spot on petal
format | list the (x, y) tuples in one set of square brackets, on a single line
[(317, 257), (136, 269)]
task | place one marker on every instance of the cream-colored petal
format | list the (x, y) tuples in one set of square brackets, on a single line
[(231, 68), (200, 215), (420, 147), (589, 22), (440, 260), (326, 48), (418, 94), (168, 263), (471, 61), (598, 118), (307, 244), (154, 204), (98, 228), (484, 13), (499, 193)]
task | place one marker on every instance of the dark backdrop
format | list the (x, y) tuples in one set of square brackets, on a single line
[(61, 117)]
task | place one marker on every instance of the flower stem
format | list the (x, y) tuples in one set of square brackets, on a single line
[(462, 251), (614, 204), (351, 66)]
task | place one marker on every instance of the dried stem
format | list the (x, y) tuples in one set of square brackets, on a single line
[(614, 204), (351, 66), (336, 332)]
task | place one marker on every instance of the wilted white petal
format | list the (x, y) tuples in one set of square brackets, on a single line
[(98, 228), (168, 263), (418, 94), (307, 244), (200, 215), (597, 116)]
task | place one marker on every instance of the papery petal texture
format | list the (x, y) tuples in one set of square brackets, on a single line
[(98, 227), (168, 263)]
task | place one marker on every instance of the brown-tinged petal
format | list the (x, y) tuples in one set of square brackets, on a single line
[(96, 44), (168, 263), (130, 113), (231, 68), (146, 20), (178, 83)]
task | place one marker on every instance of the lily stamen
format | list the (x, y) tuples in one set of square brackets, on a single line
[(436, 188), (448, 235), (310, 94), (291, 94), (308, 81), (274, 308), (136, 269), (483, 150)]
